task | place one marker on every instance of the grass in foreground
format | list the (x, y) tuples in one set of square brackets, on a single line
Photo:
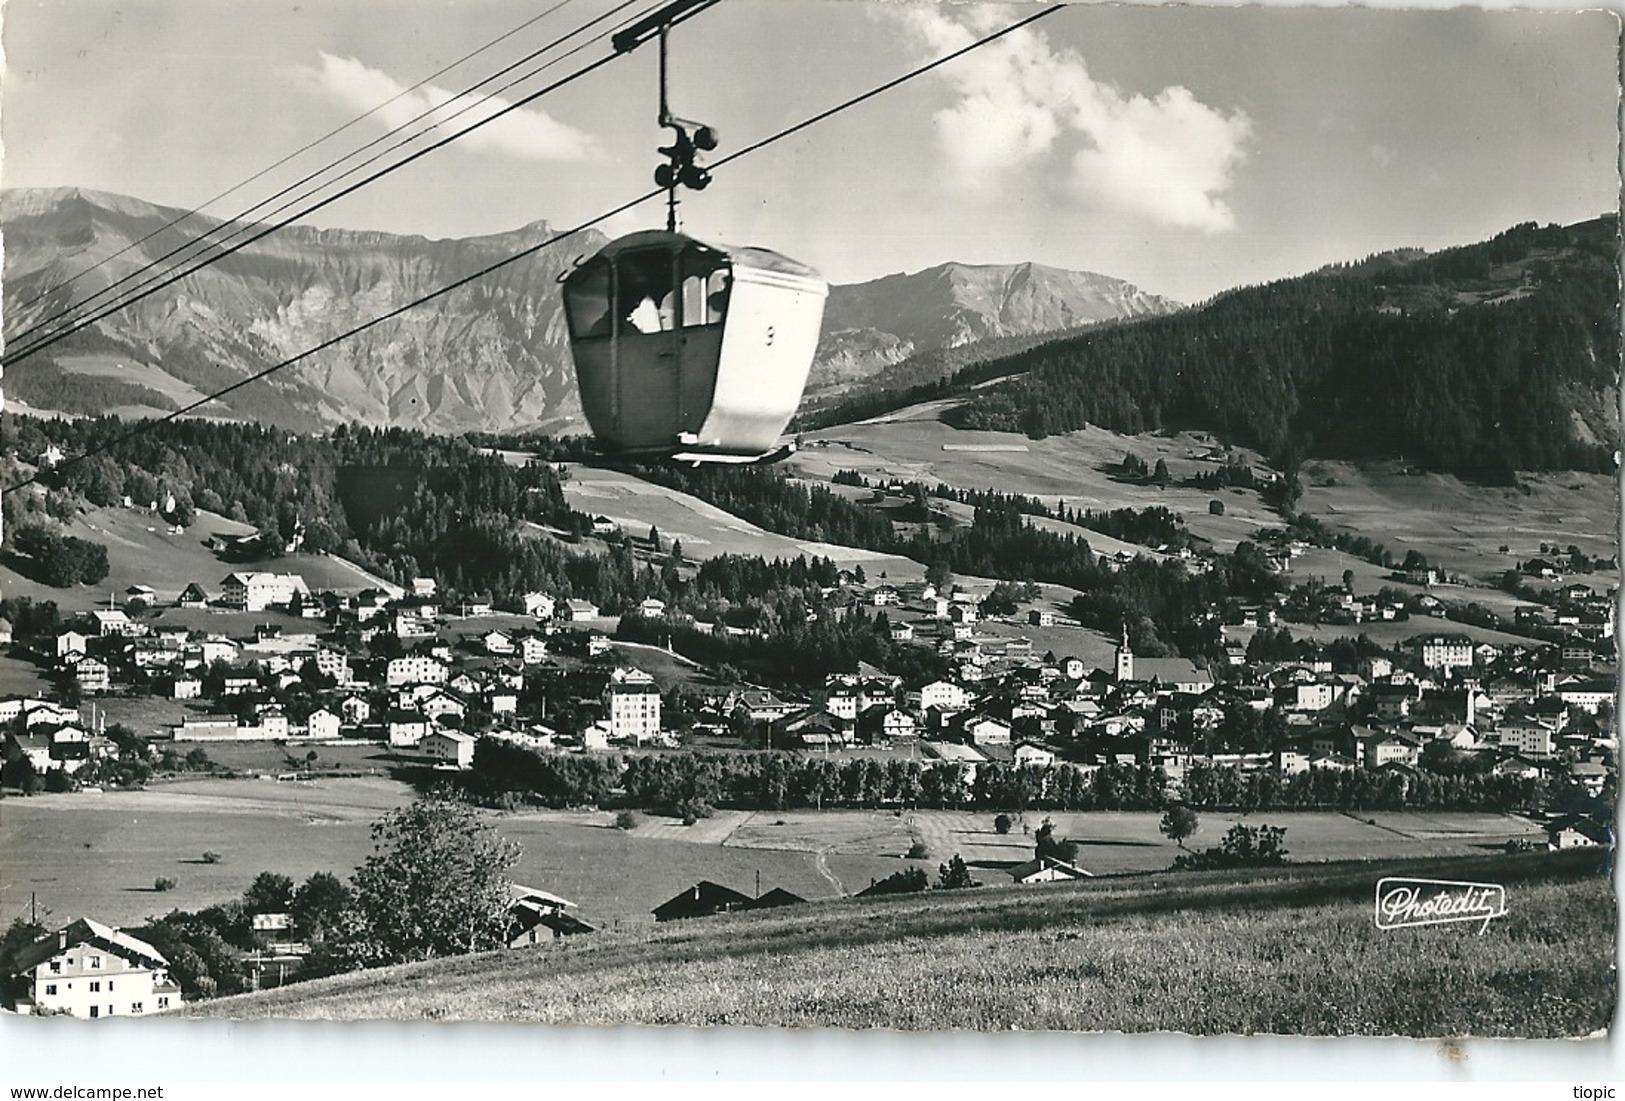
[(1292, 950)]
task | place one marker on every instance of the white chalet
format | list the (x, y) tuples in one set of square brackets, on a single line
[(90, 970)]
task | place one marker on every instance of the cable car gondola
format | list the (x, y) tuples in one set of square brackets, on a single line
[(687, 349)]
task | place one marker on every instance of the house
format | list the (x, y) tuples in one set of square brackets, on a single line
[(113, 623), (816, 729), (71, 642), (882, 722), (451, 747), (91, 970), (1384, 749), (354, 710), (535, 916), (773, 899), (595, 737), (407, 728), (1041, 617), (1574, 831), (1586, 695), (497, 642), (987, 730), (414, 669), (323, 724), (93, 675), (411, 625), (1444, 652), (540, 605), (902, 632), (434, 702), (532, 650), (1528, 738), (187, 688), (272, 722), (1047, 869), (651, 608), (763, 706), (945, 696), (1033, 755), (633, 702), (701, 900), (576, 611), (257, 591)]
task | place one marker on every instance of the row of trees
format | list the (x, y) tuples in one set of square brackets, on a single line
[(766, 780)]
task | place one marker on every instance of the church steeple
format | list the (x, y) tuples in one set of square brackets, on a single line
[(1125, 659)]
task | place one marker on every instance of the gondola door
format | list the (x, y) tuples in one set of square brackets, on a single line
[(647, 349)]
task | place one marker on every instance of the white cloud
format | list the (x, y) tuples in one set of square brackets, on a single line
[(527, 133), (1023, 105)]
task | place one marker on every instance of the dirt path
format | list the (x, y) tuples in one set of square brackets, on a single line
[(821, 862)]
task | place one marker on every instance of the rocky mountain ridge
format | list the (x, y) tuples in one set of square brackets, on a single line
[(491, 355)]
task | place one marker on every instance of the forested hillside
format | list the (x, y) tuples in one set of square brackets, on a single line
[(1487, 358)]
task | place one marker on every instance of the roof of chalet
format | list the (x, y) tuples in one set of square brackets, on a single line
[(778, 896), (92, 932), (703, 898), (1583, 825), (518, 892), (1021, 873)]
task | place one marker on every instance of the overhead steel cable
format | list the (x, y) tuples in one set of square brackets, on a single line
[(307, 147), (532, 250), (156, 282)]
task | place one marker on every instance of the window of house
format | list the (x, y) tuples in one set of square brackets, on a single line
[(163, 1002), (95, 988), (50, 988), (135, 1007), (95, 1011), (95, 962), (56, 967)]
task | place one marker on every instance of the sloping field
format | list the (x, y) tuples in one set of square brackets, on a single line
[(705, 530), (1291, 950), (141, 551), (1459, 525), (910, 445)]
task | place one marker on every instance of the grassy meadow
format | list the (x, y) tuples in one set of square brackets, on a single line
[(99, 854), (1293, 951)]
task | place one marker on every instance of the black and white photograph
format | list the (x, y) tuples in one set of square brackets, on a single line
[(809, 514)]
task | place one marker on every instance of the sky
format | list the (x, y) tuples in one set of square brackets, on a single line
[(1186, 149)]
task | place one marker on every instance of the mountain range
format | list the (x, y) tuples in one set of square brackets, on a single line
[(492, 355)]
